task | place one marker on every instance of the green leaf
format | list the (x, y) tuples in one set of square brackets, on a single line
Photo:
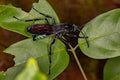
[(44, 7), (104, 36), (8, 22), (28, 48), (31, 72), (2, 76), (39, 49), (112, 69)]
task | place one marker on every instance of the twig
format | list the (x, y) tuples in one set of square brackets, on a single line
[(78, 63)]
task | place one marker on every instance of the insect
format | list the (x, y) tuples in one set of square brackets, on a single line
[(58, 30)]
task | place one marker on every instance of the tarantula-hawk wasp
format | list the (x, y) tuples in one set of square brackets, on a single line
[(58, 30)]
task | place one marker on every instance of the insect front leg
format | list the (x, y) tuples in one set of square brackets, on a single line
[(60, 36)]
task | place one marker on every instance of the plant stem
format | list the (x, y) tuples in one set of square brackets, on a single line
[(78, 63)]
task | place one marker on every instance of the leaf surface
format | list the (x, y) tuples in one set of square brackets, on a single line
[(39, 50), (8, 22), (112, 69), (103, 36), (31, 72)]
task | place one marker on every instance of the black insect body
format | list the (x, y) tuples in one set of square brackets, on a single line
[(40, 29), (57, 30)]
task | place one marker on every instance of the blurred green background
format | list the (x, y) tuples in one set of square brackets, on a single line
[(71, 11)]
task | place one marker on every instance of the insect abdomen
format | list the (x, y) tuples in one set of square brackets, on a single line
[(40, 29)]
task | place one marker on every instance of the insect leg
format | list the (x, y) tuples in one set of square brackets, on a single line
[(85, 38), (72, 35), (50, 54), (35, 37), (60, 36), (47, 16), (36, 19), (63, 40)]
